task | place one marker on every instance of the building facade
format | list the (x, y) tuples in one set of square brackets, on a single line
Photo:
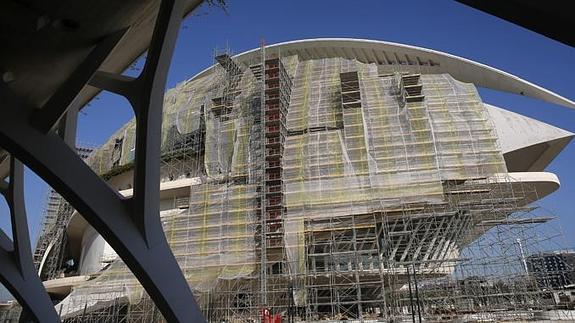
[(323, 180)]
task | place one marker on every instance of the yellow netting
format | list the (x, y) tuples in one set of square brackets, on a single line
[(337, 162)]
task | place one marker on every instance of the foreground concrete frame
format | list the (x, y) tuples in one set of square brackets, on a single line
[(17, 270), (131, 226)]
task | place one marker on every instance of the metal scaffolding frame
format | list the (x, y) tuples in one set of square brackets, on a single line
[(330, 190), (51, 243)]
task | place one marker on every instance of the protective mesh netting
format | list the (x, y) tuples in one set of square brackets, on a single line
[(337, 162)]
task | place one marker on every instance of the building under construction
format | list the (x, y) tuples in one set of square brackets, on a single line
[(329, 180)]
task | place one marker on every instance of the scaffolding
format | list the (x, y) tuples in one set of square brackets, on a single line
[(50, 252), (330, 190)]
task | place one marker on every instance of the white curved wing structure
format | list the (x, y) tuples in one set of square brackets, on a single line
[(421, 59), (528, 145)]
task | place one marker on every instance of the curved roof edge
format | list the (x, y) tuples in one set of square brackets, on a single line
[(544, 183), (419, 58)]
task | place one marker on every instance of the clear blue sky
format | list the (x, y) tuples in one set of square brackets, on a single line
[(442, 25)]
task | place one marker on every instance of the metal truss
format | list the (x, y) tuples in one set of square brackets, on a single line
[(131, 226)]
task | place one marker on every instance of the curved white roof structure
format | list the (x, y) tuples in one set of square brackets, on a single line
[(421, 59)]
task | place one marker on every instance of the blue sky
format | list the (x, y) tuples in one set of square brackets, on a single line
[(441, 25)]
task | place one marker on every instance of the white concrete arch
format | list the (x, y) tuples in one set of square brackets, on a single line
[(424, 59)]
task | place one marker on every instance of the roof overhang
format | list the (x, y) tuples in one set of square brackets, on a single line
[(63, 286), (405, 57), (535, 185)]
